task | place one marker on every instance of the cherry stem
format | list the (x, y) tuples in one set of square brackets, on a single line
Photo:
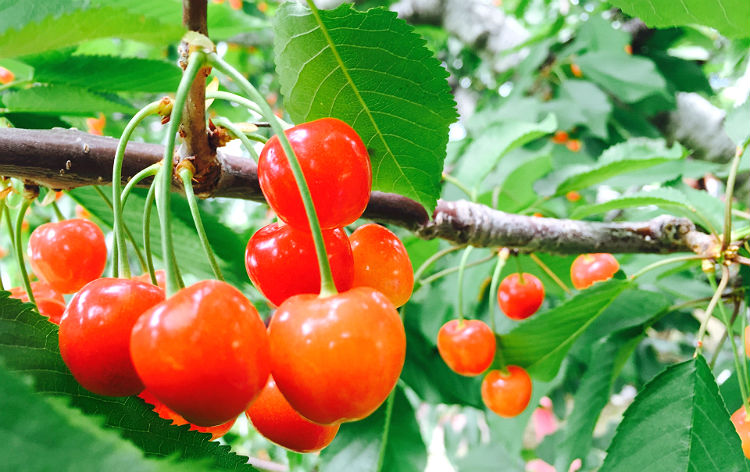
[(663, 262), (238, 99), (549, 272), (386, 428), (502, 258), (727, 331), (19, 248), (461, 269), (149, 171), (146, 231), (122, 249), (327, 286), (11, 233), (186, 174), (711, 305), (432, 259), (450, 270), (58, 213), (519, 269), (468, 192), (224, 123), (729, 193), (194, 64), (128, 234)]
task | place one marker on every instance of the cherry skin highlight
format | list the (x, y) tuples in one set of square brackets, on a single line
[(520, 300), (337, 358), (281, 261), (68, 254), (202, 352), (277, 421), (95, 334), (587, 269), (467, 347), (507, 394), (336, 167), (165, 413), (381, 262)]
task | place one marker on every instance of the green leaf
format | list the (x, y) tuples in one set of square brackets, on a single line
[(541, 343), (28, 344), (517, 189), (730, 17), (357, 445), (630, 78), (51, 25), (589, 102), (484, 152), (39, 433), (64, 100), (336, 63), (634, 154), (666, 197), (105, 73), (227, 246), (677, 423)]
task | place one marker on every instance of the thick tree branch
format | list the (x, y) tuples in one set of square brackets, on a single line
[(65, 159)]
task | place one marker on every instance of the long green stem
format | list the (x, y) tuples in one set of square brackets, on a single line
[(146, 231), (239, 134), (58, 213), (128, 234), (386, 429), (728, 195), (663, 262), (238, 99), (11, 236), (466, 190), (502, 258), (122, 249), (195, 62), (727, 332), (461, 269), (711, 306), (549, 272), (186, 175), (149, 171), (432, 259), (450, 270), (327, 286), (19, 248)]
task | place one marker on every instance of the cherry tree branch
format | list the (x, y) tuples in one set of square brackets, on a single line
[(66, 159)]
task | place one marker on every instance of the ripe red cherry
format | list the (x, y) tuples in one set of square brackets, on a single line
[(588, 269), (517, 299), (165, 413), (742, 426), (277, 421), (202, 352), (467, 347), (51, 308), (95, 334), (336, 167), (381, 262), (507, 394), (39, 289), (68, 254), (337, 358), (281, 261)]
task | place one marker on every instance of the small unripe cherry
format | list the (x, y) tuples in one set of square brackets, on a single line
[(466, 346)]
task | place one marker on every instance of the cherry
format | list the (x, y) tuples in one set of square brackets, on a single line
[(517, 299), (466, 346), (68, 254), (742, 426), (588, 269), (161, 278), (51, 308), (95, 334), (381, 262), (747, 341), (507, 394), (202, 352), (337, 358), (39, 289), (281, 261), (165, 413), (277, 421), (336, 167)]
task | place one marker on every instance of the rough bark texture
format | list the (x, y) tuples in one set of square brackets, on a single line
[(64, 159)]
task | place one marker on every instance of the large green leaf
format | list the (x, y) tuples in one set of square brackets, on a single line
[(105, 73), (541, 343), (27, 28), (677, 423), (28, 344), (357, 445), (64, 100), (630, 78), (372, 71), (730, 17), (632, 155)]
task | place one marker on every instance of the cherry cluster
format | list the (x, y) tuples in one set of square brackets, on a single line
[(203, 356)]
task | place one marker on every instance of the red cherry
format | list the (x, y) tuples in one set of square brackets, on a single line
[(742, 426), (281, 261), (95, 334), (39, 289), (747, 341), (467, 347), (336, 167), (381, 262), (6, 76), (520, 300), (68, 254), (202, 352), (588, 269), (277, 421), (161, 278), (507, 394), (51, 308), (337, 358), (165, 413)]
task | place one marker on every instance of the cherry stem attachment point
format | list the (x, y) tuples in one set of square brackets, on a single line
[(519, 269), (502, 258), (327, 286), (461, 269), (235, 130), (19, 248), (185, 171)]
